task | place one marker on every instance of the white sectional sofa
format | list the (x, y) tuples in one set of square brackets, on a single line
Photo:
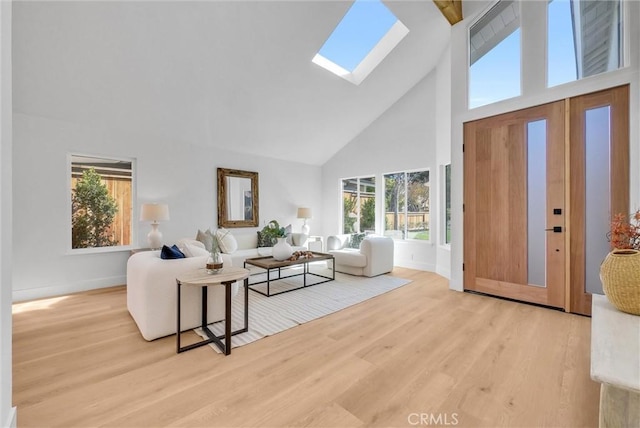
[(373, 257), (152, 291), (152, 294)]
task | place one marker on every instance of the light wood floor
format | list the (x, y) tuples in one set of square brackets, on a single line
[(418, 351)]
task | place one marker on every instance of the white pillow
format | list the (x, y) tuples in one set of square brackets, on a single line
[(300, 239), (226, 241), (192, 250), (191, 247), (206, 238), (183, 241)]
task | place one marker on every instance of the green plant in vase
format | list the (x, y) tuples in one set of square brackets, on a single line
[(272, 231)]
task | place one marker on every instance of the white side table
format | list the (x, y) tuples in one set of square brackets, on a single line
[(316, 243), (200, 278), (615, 363)]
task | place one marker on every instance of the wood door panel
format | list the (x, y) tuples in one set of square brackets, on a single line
[(516, 246), (496, 205), (500, 245), (618, 200), (556, 197), (469, 217), (513, 290), (483, 203)]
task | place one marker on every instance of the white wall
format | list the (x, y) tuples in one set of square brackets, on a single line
[(181, 174), (443, 154), (7, 412), (402, 138), (534, 93)]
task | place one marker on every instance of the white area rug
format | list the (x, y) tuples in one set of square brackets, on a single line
[(271, 315)]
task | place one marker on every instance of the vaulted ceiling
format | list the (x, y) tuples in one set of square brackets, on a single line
[(232, 74)]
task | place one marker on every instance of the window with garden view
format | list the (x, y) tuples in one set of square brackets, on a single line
[(406, 196), (359, 205), (101, 202)]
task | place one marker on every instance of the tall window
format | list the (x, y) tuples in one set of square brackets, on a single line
[(406, 197), (494, 55), (101, 202), (446, 206), (359, 205), (584, 38)]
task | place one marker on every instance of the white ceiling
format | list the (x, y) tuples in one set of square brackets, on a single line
[(233, 74)]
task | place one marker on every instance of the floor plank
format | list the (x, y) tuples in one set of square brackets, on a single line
[(418, 355)]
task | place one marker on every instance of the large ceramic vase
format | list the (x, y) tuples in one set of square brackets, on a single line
[(282, 250), (620, 276)]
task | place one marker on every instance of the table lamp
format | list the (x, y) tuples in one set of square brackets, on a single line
[(154, 213), (305, 213)]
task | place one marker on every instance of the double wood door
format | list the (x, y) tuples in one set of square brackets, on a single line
[(540, 186)]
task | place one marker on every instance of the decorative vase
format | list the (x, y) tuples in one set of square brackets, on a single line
[(620, 276), (282, 250), (214, 262)]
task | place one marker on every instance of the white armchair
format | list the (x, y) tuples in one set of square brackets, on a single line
[(374, 257)]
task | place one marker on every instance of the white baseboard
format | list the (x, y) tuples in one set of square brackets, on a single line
[(61, 290), (412, 264), (443, 272), (12, 418)]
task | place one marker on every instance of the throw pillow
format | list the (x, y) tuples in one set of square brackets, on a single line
[(265, 241), (171, 253), (288, 234), (226, 241), (300, 239), (187, 244), (192, 250), (206, 238), (356, 239)]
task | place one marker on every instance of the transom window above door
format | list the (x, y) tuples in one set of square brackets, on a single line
[(583, 38)]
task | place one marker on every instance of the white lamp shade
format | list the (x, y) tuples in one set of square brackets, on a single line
[(154, 212), (304, 213)]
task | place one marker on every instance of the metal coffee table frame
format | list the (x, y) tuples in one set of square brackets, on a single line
[(269, 264)]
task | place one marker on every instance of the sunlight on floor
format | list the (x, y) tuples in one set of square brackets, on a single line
[(19, 308)]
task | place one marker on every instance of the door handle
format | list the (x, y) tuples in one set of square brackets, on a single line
[(555, 229)]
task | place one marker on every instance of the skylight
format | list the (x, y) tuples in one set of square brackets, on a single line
[(363, 38)]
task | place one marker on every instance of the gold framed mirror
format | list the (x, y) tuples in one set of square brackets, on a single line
[(238, 199)]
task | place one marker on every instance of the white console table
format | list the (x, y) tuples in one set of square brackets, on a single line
[(615, 363)]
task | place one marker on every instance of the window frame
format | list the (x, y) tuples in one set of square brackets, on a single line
[(443, 206), (384, 205), (358, 212), (69, 226)]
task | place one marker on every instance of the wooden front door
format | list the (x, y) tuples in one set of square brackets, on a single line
[(540, 188), (514, 205)]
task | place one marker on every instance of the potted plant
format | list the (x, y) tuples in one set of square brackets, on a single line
[(281, 250)]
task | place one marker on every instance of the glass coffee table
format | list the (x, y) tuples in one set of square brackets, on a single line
[(284, 269)]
